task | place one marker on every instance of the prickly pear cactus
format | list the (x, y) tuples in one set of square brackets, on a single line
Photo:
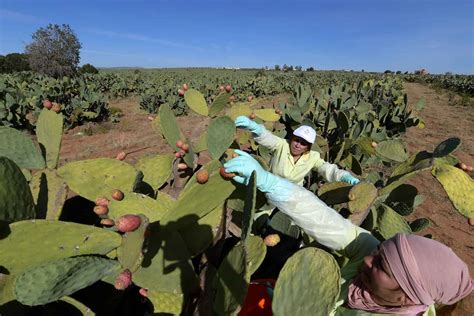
[(86, 311), (446, 147), (165, 302), (153, 209), (75, 239), (196, 102), (16, 201), (219, 104), (419, 224), (232, 282), (256, 251), (49, 192), (239, 109), (156, 169), (297, 291), (20, 148), (361, 196), (249, 206), (169, 126), (220, 135), (49, 130), (390, 222), (392, 150), (334, 192), (130, 253), (267, 115), (98, 177), (458, 185), (49, 282)]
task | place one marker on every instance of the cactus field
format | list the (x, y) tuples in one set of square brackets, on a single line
[(113, 200)]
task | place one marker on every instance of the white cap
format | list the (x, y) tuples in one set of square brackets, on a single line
[(306, 132)]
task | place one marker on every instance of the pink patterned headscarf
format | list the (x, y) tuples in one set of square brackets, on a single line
[(426, 270)]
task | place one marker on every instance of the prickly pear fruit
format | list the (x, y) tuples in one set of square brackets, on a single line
[(373, 144), (202, 176), (182, 152), (185, 87), (56, 107), (150, 118), (462, 166), (226, 175), (179, 143), (143, 292), (250, 98), (252, 116), (101, 210), (228, 88), (121, 155), (185, 147), (351, 196), (102, 201), (221, 88), (177, 154), (272, 240), (123, 280), (128, 223), (182, 166), (47, 104), (107, 222), (232, 99), (117, 195), (471, 221), (470, 168), (180, 92)]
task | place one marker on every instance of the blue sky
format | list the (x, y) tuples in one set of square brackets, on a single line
[(358, 34)]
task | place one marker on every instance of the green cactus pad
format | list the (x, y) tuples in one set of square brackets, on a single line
[(7, 283), (201, 144), (199, 235), (78, 305), (419, 224), (166, 266), (308, 284), (364, 194), (196, 102), (365, 144), (283, 223), (459, 186), (169, 126), (51, 281), (220, 135), (249, 206), (135, 203), (342, 122), (49, 192), (232, 282), (199, 200), (390, 222), (129, 253), (334, 192), (58, 240), (156, 169), (166, 303), (49, 131), (190, 156), (392, 150), (219, 103), (98, 177), (256, 252), (267, 115), (20, 148), (16, 201), (446, 147), (239, 109)]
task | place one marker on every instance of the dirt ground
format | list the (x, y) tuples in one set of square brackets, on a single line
[(134, 135)]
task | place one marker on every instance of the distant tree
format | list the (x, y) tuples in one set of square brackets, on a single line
[(398, 72), (298, 68), (277, 67), (54, 51), (310, 69), (388, 72), (14, 62), (88, 69)]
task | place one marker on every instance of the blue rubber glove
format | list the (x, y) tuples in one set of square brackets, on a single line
[(246, 123), (348, 178), (244, 165)]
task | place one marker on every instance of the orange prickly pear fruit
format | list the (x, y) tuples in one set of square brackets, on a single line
[(121, 155), (202, 176), (272, 240), (117, 195), (101, 210), (102, 201)]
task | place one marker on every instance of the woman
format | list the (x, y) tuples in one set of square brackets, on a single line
[(294, 160), (405, 275)]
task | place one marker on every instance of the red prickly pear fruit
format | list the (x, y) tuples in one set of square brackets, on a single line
[(182, 152), (179, 143), (182, 166), (221, 88), (202, 176), (128, 223), (101, 210), (252, 116), (272, 240), (471, 221), (123, 280), (250, 98), (121, 155), (47, 104), (117, 195), (180, 92), (185, 147), (228, 88), (56, 107), (226, 175), (107, 222), (143, 292), (102, 201), (177, 154), (185, 87)]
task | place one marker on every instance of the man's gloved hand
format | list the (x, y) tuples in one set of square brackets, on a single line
[(348, 178), (246, 123), (244, 165)]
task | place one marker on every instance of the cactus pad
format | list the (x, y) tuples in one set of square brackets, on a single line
[(219, 103), (267, 115), (297, 291), (390, 222), (156, 169), (49, 131), (49, 192), (138, 203), (220, 135), (20, 148), (51, 281), (392, 150), (334, 192), (98, 177), (169, 126), (419, 224), (196, 102), (86, 311), (446, 147), (58, 240), (361, 196), (16, 201), (238, 110), (249, 206), (129, 253), (256, 252), (459, 186), (166, 303)]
